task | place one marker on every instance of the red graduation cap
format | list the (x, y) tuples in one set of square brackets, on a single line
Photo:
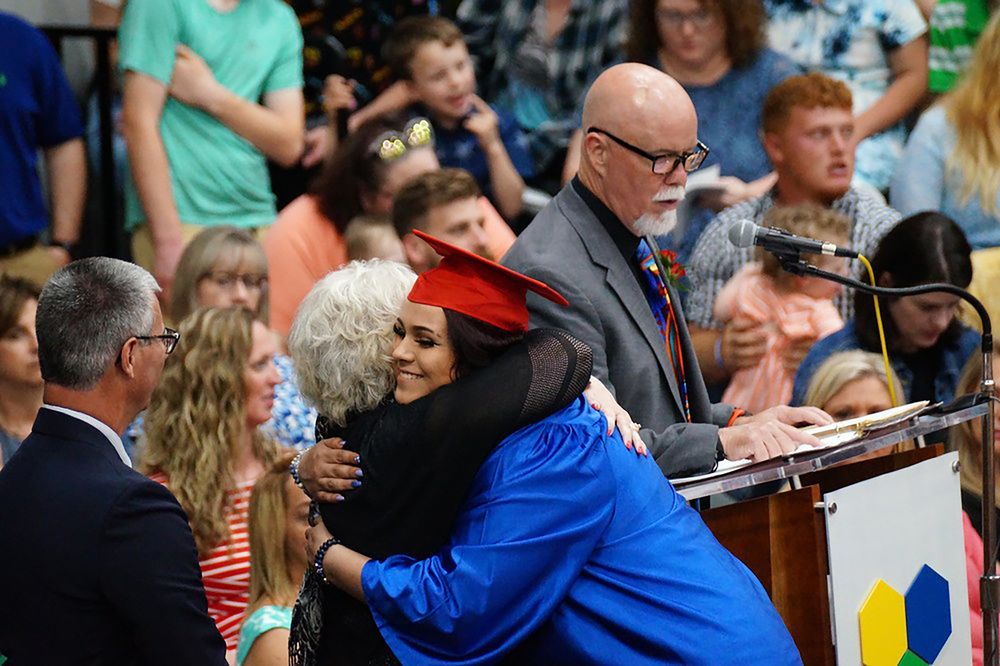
[(477, 287)]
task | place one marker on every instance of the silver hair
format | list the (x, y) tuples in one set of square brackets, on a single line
[(339, 342), (86, 312)]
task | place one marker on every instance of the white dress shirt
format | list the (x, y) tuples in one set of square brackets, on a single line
[(112, 436)]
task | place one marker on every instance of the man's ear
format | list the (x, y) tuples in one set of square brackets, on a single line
[(773, 147), (127, 356), (885, 280), (596, 152), (416, 252)]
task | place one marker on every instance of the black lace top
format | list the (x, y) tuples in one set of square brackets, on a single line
[(419, 461)]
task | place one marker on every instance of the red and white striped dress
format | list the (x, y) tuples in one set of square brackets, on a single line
[(225, 570)]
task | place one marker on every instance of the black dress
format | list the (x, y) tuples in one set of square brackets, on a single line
[(419, 461)]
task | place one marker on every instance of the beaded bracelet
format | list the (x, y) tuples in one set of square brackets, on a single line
[(320, 554), (293, 469)]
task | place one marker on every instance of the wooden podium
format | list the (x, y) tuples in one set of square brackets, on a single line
[(783, 537)]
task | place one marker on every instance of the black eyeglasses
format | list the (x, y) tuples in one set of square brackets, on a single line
[(666, 163), (170, 338), (227, 281)]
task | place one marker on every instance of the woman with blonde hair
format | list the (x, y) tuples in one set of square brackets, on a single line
[(952, 160), (204, 445), (852, 384), (226, 267), (279, 517)]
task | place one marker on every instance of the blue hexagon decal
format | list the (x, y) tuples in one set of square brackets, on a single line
[(928, 614)]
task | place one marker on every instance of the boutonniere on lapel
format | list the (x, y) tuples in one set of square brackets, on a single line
[(674, 270)]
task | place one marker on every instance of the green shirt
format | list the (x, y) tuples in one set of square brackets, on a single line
[(955, 27), (217, 177)]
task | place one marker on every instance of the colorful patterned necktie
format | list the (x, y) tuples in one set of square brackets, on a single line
[(658, 297)]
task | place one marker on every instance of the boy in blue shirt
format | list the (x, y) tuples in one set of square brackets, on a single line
[(429, 53)]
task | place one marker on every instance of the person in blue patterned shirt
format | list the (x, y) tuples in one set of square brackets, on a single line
[(878, 48)]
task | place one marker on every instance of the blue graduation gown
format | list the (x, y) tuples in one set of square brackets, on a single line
[(570, 549)]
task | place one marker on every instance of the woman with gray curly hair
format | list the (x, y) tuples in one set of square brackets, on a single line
[(416, 460)]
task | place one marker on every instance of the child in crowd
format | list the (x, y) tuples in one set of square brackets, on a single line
[(430, 54), (278, 518), (373, 237), (792, 307)]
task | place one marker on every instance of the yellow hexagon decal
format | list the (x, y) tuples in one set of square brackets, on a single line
[(883, 626)]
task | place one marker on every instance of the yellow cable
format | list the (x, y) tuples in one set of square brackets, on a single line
[(881, 333)]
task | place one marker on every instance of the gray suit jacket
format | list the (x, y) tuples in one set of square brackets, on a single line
[(567, 247)]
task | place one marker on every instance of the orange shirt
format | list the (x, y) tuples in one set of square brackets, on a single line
[(302, 246)]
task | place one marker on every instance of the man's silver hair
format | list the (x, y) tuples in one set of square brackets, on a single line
[(86, 312), (340, 339)]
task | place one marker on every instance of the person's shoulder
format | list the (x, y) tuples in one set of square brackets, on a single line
[(968, 339), (572, 438), (301, 216), (281, 10), (12, 26), (934, 119), (842, 340), (774, 65), (869, 207)]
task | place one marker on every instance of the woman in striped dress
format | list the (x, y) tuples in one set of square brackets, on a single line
[(203, 443)]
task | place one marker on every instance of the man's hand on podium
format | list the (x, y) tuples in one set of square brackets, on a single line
[(771, 433)]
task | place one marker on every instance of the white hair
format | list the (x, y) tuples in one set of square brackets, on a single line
[(340, 338), (648, 224)]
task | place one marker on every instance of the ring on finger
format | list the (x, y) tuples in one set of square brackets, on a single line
[(636, 426)]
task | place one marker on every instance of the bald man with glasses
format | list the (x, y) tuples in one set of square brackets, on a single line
[(594, 243)]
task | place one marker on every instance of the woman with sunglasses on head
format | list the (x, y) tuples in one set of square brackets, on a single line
[(204, 444), (549, 544), (226, 267), (361, 177)]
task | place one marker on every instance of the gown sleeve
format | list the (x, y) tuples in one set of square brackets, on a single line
[(535, 513)]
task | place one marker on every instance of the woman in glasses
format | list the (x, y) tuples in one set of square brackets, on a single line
[(226, 267), (717, 50), (203, 442), (361, 177)]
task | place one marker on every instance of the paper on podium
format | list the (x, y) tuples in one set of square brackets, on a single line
[(831, 436), (724, 467), (845, 432)]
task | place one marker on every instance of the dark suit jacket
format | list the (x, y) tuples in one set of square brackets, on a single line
[(97, 562), (567, 247)]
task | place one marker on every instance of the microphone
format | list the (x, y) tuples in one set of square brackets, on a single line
[(745, 233)]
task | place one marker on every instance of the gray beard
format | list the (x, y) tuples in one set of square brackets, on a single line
[(648, 224)]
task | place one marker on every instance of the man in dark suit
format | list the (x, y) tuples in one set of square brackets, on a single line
[(97, 562), (591, 243)]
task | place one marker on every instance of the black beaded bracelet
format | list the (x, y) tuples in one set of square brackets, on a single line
[(320, 554)]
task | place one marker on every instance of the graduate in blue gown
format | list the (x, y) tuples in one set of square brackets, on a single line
[(568, 549)]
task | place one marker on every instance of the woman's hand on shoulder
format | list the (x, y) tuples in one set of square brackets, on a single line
[(601, 399), (328, 470)]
